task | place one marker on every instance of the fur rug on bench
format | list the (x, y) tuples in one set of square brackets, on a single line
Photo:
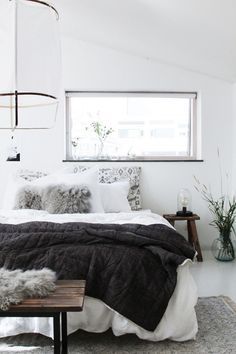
[(17, 285)]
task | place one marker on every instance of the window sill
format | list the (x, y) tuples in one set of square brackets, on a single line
[(133, 160)]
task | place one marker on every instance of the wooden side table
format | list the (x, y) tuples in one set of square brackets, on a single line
[(192, 230)]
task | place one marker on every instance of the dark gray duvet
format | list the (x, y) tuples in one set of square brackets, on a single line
[(130, 267)]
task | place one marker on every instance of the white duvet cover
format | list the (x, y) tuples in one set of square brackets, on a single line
[(179, 322)]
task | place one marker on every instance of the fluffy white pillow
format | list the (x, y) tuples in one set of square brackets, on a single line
[(114, 196), (88, 178), (16, 182)]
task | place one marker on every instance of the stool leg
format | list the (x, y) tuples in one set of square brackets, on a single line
[(56, 331), (193, 239), (64, 332), (172, 222)]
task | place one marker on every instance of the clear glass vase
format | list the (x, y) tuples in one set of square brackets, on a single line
[(223, 249), (100, 150)]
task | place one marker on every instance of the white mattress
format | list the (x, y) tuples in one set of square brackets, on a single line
[(179, 322)]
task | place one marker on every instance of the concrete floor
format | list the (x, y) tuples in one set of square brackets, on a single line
[(215, 278)]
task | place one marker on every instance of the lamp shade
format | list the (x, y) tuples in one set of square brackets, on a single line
[(184, 201), (30, 64)]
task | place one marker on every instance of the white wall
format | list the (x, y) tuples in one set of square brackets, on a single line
[(90, 67)]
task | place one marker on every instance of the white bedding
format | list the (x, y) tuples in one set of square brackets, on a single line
[(178, 323)]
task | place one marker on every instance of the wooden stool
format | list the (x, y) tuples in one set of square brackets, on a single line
[(68, 297), (192, 230)]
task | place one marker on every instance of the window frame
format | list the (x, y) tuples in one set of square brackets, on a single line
[(193, 140)]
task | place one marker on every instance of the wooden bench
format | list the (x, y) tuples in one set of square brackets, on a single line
[(68, 297)]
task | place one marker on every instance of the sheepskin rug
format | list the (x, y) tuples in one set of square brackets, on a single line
[(17, 285)]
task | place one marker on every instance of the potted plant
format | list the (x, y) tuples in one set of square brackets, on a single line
[(223, 210)]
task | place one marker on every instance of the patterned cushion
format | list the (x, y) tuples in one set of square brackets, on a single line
[(114, 174)]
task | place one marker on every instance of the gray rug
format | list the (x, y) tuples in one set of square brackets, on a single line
[(217, 335)]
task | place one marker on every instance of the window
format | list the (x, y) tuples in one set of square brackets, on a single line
[(131, 125)]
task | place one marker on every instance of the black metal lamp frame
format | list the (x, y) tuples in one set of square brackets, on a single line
[(46, 4), (16, 93)]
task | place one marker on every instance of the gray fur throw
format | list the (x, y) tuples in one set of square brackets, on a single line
[(16, 285), (56, 199)]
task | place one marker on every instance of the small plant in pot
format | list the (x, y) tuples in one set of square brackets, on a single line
[(223, 210)]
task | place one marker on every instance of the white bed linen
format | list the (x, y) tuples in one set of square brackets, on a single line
[(179, 322)]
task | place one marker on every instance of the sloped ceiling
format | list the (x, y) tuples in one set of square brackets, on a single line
[(198, 35)]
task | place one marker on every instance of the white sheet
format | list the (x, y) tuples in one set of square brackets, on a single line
[(179, 322)]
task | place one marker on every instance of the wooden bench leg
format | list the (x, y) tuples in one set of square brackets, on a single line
[(193, 238), (64, 332), (56, 333)]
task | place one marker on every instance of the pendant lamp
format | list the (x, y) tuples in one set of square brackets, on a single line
[(30, 64)]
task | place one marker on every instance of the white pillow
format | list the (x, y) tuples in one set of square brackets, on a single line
[(87, 178), (14, 184), (114, 196)]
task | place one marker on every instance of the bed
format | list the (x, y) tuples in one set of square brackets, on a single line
[(131, 230)]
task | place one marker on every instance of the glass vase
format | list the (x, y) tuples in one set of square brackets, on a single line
[(100, 150), (222, 249)]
